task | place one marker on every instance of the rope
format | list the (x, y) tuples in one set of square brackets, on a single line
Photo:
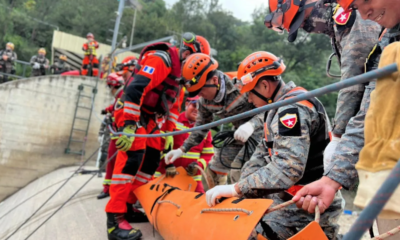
[(363, 78), (288, 203), (388, 234), (205, 177), (371, 212), (227, 210), (225, 138), (170, 202)]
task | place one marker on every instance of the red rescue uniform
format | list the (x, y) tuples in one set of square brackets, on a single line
[(201, 153), (112, 149), (142, 107), (90, 52)]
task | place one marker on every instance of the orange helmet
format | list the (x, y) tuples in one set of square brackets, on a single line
[(128, 64), (286, 14), (345, 4), (195, 44), (257, 65), (195, 70)]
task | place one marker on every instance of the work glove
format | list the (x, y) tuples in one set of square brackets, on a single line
[(330, 150), (226, 191), (170, 170), (171, 156), (192, 169), (100, 139), (103, 112), (244, 132), (36, 65), (169, 143), (124, 143)]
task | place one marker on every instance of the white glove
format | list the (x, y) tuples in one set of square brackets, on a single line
[(330, 150), (100, 139), (244, 132), (171, 156), (36, 65), (217, 192)]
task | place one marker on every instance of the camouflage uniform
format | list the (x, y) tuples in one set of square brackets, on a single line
[(232, 104), (44, 63), (352, 42), (288, 162), (7, 66), (342, 168), (60, 67)]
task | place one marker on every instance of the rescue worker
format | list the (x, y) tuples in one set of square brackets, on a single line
[(220, 97), (7, 58), (90, 60), (352, 39), (105, 66), (342, 172), (199, 155), (116, 84), (290, 155), (61, 66), (148, 102), (39, 63)]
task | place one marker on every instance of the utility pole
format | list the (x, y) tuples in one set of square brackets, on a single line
[(117, 22), (133, 27)]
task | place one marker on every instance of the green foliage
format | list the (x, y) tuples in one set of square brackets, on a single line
[(233, 38)]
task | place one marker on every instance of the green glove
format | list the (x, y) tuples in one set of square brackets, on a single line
[(124, 143), (169, 143)]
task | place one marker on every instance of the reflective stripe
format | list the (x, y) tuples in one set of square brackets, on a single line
[(191, 155), (122, 176), (197, 178), (132, 105), (145, 175), (138, 178), (181, 126), (132, 112), (172, 120), (120, 182), (157, 174), (107, 182), (173, 115), (208, 150), (202, 161)]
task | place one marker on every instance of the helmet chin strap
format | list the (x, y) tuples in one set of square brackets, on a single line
[(271, 99)]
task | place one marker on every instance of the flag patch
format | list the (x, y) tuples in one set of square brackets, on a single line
[(148, 70)]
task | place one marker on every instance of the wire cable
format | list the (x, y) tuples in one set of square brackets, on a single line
[(363, 78)]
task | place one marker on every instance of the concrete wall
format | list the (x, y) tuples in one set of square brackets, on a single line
[(36, 117)]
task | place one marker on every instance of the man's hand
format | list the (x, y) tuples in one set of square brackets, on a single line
[(217, 192), (321, 193), (244, 132), (124, 143), (171, 156), (5, 57), (192, 169)]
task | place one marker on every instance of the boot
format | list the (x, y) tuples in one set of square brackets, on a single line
[(119, 229), (134, 215), (103, 195)]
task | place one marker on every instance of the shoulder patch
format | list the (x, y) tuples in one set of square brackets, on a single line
[(341, 16), (289, 123), (149, 70)]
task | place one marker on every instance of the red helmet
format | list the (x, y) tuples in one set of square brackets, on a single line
[(195, 44), (113, 80), (128, 64), (89, 35)]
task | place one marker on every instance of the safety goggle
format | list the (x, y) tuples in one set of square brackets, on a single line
[(194, 103), (274, 20), (189, 42)]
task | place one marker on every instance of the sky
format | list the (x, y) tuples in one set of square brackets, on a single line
[(240, 9)]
